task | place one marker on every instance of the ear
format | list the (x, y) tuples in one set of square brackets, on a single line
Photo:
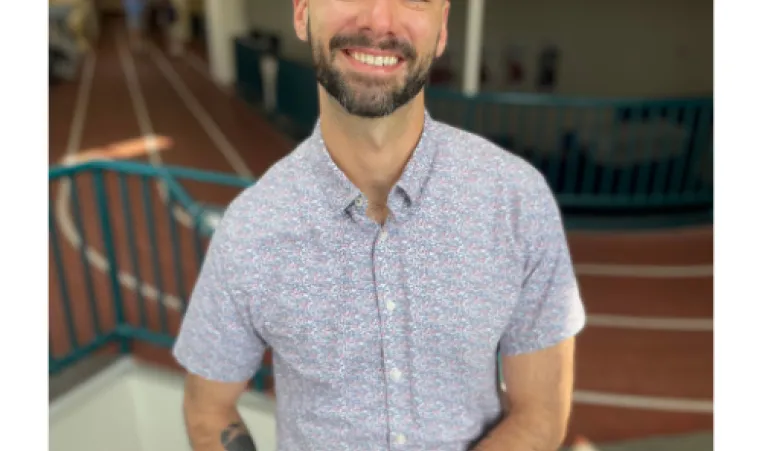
[(442, 44), (301, 16)]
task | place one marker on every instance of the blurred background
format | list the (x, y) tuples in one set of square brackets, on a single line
[(152, 134)]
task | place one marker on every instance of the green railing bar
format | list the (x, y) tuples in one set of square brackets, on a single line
[(607, 179), (703, 143), (163, 339), (692, 152), (554, 166), (537, 132), (217, 178), (83, 257), (708, 190), (52, 364), (149, 220), (521, 131), (61, 273), (626, 172), (590, 175), (127, 216), (572, 161), (552, 100), (612, 200), (672, 116), (197, 247), (137, 168), (176, 253), (108, 244), (645, 172), (84, 351)]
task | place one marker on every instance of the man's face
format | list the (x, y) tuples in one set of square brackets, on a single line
[(373, 56)]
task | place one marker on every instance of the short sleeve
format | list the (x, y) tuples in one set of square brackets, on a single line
[(217, 338), (549, 308)]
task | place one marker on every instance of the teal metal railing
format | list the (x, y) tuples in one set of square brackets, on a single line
[(600, 156), (126, 242)]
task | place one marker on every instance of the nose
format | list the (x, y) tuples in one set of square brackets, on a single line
[(379, 17)]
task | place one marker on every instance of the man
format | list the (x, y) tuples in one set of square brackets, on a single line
[(385, 261), (135, 16), (179, 33)]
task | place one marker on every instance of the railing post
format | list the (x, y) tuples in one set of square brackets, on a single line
[(108, 245)]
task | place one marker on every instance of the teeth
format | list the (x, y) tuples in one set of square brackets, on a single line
[(375, 60)]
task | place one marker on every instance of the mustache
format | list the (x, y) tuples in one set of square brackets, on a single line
[(390, 45)]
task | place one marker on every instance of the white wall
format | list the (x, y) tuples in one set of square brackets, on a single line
[(100, 417), (133, 407), (609, 47), (115, 6), (158, 406)]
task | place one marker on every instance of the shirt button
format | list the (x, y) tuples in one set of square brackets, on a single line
[(358, 201), (400, 439), (395, 374), (390, 306), (383, 235)]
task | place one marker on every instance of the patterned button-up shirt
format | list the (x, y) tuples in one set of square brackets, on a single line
[(384, 337)]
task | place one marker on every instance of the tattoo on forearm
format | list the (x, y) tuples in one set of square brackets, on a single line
[(236, 437)]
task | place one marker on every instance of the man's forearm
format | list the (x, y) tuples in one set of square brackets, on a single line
[(218, 432), (524, 432)]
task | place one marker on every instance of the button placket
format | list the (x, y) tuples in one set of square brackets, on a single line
[(384, 293)]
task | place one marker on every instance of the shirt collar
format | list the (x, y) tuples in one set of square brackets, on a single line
[(341, 192)]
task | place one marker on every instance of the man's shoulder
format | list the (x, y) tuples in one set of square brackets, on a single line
[(270, 203), (473, 157)]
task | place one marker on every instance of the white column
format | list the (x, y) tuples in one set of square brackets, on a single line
[(225, 20), (268, 67), (473, 51)]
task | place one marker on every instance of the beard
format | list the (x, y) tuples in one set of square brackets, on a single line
[(364, 96)]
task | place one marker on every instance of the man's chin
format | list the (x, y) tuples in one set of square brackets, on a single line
[(367, 109)]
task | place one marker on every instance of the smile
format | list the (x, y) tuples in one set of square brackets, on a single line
[(374, 60)]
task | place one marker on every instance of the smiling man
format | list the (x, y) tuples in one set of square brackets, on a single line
[(387, 261)]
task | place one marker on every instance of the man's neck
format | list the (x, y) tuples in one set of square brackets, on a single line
[(371, 152)]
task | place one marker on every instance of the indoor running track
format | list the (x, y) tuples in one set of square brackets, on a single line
[(645, 361)]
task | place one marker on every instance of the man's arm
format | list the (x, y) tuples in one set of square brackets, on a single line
[(211, 417), (538, 400), (537, 347), (218, 343)]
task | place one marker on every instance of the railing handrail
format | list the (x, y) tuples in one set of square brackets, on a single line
[(168, 175), (140, 168), (535, 99)]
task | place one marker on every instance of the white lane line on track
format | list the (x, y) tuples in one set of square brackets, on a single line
[(75, 138), (651, 323), (644, 271), (229, 152), (200, 66), (144, 123), (640, 402), (67, 227)]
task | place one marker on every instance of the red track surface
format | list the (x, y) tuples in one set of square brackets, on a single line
[(624, 358)]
